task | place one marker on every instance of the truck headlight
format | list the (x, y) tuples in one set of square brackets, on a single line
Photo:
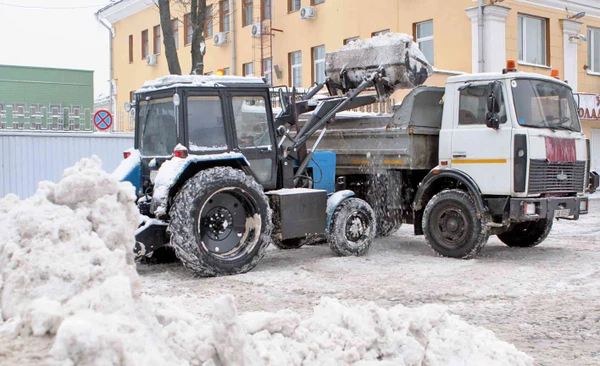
[(529, 209)]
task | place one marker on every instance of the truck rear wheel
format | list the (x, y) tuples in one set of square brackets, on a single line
[(526, 234), (451, 225), (220, 222), (388, 222), (352, 228)]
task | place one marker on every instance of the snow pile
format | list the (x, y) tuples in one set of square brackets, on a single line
[(67, 274), (171, 81), (67, 271)]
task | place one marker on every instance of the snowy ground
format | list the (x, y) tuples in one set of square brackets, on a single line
[(544, 300)]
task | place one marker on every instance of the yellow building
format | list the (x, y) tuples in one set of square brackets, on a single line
[(286, 40)]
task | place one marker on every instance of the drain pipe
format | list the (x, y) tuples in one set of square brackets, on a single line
[(480, 34), (110, 71), (232, 33)]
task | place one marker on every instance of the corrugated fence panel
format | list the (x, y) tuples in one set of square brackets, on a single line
[(29, 158)]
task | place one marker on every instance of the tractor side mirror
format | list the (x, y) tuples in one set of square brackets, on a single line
[(281, 131), (494, 94)]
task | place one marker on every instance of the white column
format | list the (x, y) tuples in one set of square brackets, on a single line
[(494, 38), (472, 14), (570, 29)]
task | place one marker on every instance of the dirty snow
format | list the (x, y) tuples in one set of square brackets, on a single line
[(70, 295)]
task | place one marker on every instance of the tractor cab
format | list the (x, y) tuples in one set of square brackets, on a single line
[(207, 116)]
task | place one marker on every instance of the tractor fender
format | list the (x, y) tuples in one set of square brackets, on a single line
[(130, 170), (173, 173), (333, 201), (435, 175)]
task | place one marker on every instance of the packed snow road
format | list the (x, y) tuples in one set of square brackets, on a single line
[(544, 300)]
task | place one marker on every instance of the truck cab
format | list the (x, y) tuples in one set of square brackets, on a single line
[(531, 148)]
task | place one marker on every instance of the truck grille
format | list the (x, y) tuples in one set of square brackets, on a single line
[(552, 177)]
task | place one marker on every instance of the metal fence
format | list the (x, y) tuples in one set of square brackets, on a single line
[(27, 157)]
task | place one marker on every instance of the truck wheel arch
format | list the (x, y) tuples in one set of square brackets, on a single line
[(438, 180)]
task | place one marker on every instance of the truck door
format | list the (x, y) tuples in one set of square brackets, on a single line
[(481, 152), (252, 117)]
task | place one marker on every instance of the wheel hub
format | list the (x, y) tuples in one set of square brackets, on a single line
[(222, 223), (355, 227), (219, 223), (452, 226)]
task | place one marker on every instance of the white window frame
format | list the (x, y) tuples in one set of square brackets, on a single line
[(426, 38), (267, 71), (318, 62), (295, 68), (248, 69), (521, 18), (593, 53)]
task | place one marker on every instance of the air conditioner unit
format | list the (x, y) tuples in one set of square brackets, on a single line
[(308, 12), (150, 60), (257, 30), (220, 39)]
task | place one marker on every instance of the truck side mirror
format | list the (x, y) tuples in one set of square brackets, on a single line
[(494, 94)]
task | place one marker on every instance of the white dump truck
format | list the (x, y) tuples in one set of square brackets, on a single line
[(488, 154)]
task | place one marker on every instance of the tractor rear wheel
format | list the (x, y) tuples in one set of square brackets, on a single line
[(220, 222)]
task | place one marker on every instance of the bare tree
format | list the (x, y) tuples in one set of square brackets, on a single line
[(168, 38), (197, 18)]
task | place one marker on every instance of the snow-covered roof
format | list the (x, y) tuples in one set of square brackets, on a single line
[(197, 81), (489, 76)]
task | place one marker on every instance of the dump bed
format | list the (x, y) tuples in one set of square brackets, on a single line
[(407, 139)]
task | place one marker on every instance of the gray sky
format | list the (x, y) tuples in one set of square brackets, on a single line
[(55, 33)]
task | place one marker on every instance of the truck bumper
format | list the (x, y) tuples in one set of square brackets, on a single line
[(527, 209)]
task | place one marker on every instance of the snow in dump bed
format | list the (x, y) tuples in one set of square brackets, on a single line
[(68, 278), (197, 81)]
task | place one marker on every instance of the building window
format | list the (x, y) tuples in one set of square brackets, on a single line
[(316, 2), (351, 39), (266, 9), (294, 5), (224, 16), (379, 33), (267, 73), (318, 56), (247, 13), (532, 35), (175, 24), (188, 30), (131, 48), (144, 44), (208, 24), (248, 69), (594, 49), (157, 40), (424, 35), (296, 69), (226, 71)]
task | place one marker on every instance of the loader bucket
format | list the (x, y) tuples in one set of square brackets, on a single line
[(403, 63)]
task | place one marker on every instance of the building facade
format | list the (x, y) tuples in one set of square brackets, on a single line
[(286, 40), (45, 98)]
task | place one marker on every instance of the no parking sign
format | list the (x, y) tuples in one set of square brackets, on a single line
[(103, 120)]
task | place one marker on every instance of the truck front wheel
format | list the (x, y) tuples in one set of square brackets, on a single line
[(352, 228), (452, 227), (526, 234), (220, 222)]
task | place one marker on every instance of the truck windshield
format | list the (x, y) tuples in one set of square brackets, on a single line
[(544, 104), (158, 135)]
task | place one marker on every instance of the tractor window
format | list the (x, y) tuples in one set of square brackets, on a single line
[(473, 106), (205, 124), (158, 127), (251, 122)]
